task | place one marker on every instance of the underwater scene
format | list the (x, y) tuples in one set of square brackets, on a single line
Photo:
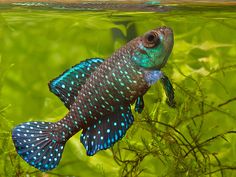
[(183, 126)]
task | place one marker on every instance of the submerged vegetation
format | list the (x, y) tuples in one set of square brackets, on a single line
[(197, 138)]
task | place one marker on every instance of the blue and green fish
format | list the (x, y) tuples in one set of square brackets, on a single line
[(98, 94)]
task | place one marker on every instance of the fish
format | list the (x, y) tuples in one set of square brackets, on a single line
[(98, 94)]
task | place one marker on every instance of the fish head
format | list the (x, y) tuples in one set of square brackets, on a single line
[(152, 50)]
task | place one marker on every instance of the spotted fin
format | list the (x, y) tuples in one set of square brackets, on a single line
[(106, 131), (67, 85), (33, 143)]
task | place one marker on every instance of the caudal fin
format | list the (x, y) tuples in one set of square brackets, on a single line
[(35, 143)]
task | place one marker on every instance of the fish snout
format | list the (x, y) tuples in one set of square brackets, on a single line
[(168, 41), (166, 31)]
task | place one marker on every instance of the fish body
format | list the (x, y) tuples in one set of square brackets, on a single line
[(98, 94)]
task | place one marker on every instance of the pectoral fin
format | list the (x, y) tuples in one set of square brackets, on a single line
[(169, 90)]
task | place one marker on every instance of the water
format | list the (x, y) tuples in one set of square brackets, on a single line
[(195, 139)]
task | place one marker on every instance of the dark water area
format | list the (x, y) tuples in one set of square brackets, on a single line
[(38, 41)]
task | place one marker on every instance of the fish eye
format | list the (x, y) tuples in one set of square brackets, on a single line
[(151, 39)]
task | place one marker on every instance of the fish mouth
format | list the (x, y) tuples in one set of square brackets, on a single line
[(169, 37), (168, 44)]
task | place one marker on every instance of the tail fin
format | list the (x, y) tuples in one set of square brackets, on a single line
[(34, 143)]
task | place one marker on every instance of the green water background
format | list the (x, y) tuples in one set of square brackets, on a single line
[(195, 139)]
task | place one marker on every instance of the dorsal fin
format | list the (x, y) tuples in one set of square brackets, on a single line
[(67, 85)]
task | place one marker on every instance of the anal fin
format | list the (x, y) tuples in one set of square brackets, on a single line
[(104, 133)]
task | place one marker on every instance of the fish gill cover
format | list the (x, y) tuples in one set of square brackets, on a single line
[(197, 138)]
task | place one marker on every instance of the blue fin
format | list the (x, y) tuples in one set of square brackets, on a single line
[(169, 90), (104, 133), (33, 143), (67, 85), (139, 105)]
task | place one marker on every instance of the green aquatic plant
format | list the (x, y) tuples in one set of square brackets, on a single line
[(178, 145)]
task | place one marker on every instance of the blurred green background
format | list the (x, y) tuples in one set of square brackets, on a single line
[(197, 138)]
